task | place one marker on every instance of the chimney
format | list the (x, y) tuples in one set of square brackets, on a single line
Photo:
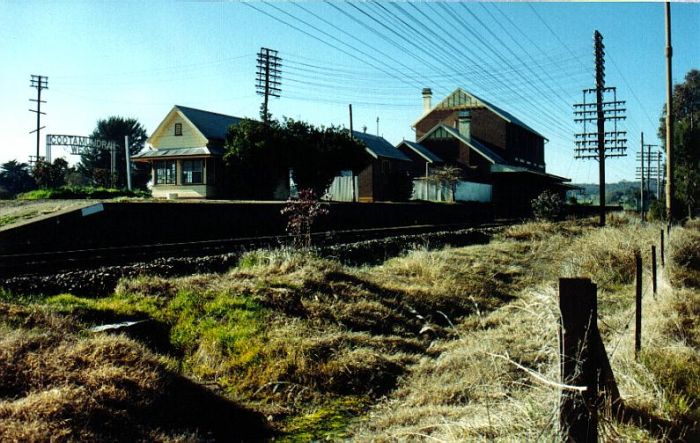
[(427, 99)]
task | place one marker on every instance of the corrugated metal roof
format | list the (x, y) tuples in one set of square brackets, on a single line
[(210, 124), (379, 147), (179, 152), (479, 147), (519, 169), (423, 151)]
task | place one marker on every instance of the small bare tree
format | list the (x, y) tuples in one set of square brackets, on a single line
[(301, 213), (446, 176)]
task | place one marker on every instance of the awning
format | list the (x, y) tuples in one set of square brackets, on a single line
[(160, 154)]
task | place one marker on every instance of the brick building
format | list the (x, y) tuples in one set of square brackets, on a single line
[(489, 145)]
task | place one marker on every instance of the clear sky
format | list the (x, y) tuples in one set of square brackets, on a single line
[(139, 58)]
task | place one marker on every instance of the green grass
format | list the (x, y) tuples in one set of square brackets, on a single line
[(326, 422), (13, 218), (677, 370), (79, 192), (218, 333)]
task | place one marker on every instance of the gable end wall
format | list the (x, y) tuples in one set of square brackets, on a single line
[(167, 139)]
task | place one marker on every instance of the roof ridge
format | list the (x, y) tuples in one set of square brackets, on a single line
[(208, 112)]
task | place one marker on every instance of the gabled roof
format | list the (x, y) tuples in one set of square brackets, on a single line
[(460, 99), (421, 150), (479, 147), (210, 124), (379, 147), (207, 125)]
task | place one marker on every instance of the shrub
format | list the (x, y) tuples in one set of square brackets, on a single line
[(684, 250), (657, 211), (301, 214), (547, 206)]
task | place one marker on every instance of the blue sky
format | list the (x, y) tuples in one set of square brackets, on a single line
[(138, 59)]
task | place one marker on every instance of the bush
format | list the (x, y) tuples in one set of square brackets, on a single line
[(301, 214), (684, 251), (78, 192), (547, 206), (657, 211)]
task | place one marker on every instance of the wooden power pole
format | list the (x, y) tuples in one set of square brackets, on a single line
[(600, 144), (40, 82), (268, 80), (641, 171), (669, 118)]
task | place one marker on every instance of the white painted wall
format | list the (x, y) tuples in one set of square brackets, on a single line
[(341, 189), (465, 192)]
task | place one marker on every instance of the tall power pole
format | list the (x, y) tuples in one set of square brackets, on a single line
[(646, 171), (669, 117), (659, 174), (40, 82), (641, 175), (268, 79), (600, 144)]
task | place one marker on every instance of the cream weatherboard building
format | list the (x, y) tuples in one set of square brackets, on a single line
[(185, 153)]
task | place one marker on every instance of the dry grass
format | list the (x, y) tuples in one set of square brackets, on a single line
[(475, 390), (453, 344), (607, 255), (58, 386)]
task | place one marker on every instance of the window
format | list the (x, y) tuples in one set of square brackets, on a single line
[(165, 172), (178, 129), (192, 172)]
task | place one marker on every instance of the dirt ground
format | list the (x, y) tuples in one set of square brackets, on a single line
[(14, 212)]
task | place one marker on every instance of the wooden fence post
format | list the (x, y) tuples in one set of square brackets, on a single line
[(578, 411), (653, 268), (662, 249), (638, 310)]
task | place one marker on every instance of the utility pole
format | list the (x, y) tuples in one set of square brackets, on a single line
[(268, 80), (645, 172), (113, 166), (641, 162), (127, 155), (658, 175), (600, 144), (354, 196), (669, 117), (40, 82)]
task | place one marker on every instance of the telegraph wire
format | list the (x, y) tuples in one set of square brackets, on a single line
[(357, 39), (565, 102), (491, 52), (401, 46), (552, 120), (81, 78), (362, 76), (554, 33), (500, 55), (321, 40), (383, 37), (532, 43)]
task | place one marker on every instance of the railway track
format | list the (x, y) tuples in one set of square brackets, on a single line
[(51, 262)]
